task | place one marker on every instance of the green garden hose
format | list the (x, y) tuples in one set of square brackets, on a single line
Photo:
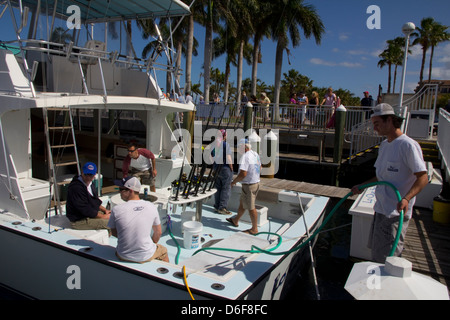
[(271, 251)]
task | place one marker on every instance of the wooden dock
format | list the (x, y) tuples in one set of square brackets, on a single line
[(275, 185), (427, 246)]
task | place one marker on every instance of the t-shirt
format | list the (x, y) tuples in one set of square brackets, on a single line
[(397, 162), (133, 221), (251, 163), (222, 153), (142, 163), (330, 100)]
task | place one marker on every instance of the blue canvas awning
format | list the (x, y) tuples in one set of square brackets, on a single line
[(93, 11)]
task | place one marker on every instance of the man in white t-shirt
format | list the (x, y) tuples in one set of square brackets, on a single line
[(400, 162), (132, 223), (249, 176)]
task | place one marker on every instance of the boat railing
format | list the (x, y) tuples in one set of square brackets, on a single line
[(94, 53), (90, 54)]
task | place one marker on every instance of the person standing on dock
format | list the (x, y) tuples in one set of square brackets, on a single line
[(400, 162), (249, 176), (143, 165)]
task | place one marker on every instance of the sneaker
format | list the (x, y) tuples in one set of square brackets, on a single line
[(224, 211)]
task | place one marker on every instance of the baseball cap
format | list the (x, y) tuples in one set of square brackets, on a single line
[(89, 168), (383, 109), (131, 183)]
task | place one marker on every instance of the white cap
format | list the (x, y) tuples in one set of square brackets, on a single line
[(133, 184), (383, 109)]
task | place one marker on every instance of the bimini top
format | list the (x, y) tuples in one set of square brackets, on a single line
[(93, 11)]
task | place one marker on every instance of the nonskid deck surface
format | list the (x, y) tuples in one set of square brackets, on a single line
[(218, 232)]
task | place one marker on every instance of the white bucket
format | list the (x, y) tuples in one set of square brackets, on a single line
[(192, 234), (185, 217)]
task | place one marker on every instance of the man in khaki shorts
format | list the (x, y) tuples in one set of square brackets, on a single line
[(249, 176), (132, 223)]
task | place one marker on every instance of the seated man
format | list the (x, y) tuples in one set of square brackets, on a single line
[(132, 222), (140, 163), (83, 207)]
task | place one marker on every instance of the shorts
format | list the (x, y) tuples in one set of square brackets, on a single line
[(145, 177), (160, 254), (91, 224), (248, 195), (382, 236)]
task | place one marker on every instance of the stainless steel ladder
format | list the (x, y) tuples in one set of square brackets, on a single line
[(58, 123)]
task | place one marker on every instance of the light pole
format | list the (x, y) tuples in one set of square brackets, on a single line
[(407, 29)]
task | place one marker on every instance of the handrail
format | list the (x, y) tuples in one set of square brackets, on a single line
[(443, 142), (292, 116), (83, 52)]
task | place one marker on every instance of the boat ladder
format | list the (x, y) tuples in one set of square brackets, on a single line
[(61, 148)]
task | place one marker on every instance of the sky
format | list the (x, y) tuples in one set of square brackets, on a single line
[(348, 54)]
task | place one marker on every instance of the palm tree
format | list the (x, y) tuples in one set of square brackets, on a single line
[(215, 10), (423, 38), (438, 34), (397, 53), (389, 57), (231, 44), (196, 11), (261, 17), (288, 16), (242, 11)]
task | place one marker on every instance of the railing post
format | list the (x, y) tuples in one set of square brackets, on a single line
[(248, 116), (339, 139)]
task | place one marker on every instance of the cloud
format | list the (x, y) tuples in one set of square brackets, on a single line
[(322, 62), (357, 52), (343, 36)]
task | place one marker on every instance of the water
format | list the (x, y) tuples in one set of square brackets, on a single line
[(332, 260)]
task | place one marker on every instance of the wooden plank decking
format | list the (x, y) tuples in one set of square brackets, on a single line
[(427, 246), (276, 185)]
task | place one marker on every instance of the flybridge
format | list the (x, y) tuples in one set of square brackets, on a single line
[(94, 11)]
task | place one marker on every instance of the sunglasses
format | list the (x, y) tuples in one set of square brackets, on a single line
[(131, 150)]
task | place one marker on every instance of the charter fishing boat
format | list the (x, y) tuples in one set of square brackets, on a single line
[(43, 257)]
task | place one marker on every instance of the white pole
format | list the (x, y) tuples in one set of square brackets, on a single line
[(407, 29)]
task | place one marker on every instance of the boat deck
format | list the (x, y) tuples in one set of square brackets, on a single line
[(214, 228)]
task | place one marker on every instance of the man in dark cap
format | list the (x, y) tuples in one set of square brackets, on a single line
[(83, 207)]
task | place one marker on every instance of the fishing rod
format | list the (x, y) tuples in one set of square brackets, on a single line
[(178, 183)]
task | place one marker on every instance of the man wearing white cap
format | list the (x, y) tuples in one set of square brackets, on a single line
[(249, 177), (132, 223), (400, 162)]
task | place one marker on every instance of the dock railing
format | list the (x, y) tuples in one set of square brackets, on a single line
[(290, 117), (443, 142)]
